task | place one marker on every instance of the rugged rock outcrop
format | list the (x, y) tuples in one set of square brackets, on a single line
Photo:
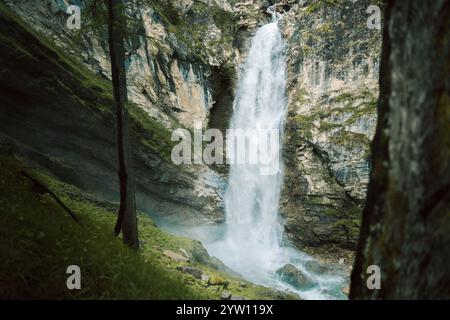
[(182, 64), (332, 90), (290, 274), (406, 221), (58, 114), (179, 52), (182, 61)]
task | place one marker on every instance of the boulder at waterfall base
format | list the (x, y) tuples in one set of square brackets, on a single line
[(293, 276)]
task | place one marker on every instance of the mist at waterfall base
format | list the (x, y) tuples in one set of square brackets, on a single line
[(251, 241)]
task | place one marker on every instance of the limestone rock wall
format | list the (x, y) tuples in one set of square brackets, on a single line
[(174, 49), (182, 60), (332, 92)]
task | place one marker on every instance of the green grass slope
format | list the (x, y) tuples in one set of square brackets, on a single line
[(39, 240)]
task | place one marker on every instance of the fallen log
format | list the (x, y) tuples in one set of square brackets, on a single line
[(40, 188)]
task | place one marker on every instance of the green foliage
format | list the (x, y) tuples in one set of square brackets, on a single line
[(350, 139), (346, 221), (328, 126), (189, 28), (166, 10), (320, 4), (355, 105), (304, 126), (149, 132), (39, 241), (349, 227), (336, 31), (223, 19)]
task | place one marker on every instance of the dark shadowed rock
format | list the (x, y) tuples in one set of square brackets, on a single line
[(197, 273), (291, 275)]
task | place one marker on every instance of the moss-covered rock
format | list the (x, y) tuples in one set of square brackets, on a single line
[(332, 93)]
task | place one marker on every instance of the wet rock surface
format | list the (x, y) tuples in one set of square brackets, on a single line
[(293, 276)]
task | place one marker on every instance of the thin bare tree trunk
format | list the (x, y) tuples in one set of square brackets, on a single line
[(126, 220)]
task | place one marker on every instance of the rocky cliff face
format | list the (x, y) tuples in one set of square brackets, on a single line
[(181, 62), (332, 90), (179, 52), (406, 221)]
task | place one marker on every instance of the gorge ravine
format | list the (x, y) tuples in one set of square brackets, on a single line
[(178, 73)]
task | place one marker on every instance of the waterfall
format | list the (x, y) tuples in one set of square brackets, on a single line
[(253, 237), (251, 200), (251, 242)]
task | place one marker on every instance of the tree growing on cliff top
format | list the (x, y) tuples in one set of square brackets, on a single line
[(126, 220)]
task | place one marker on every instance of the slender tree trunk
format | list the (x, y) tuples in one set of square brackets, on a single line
[(126, 220)]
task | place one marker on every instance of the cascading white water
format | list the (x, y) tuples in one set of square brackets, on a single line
[(252, 244), (251, 201)]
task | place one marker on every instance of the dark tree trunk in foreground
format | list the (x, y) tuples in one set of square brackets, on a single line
[(406, 221), (126, 220)]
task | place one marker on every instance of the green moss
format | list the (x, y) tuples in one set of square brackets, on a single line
[(86, 89), (346, 222), (368, 108), (326, 28), (304, 126), (350, 228), (334, 30), (21, 38), (349, 139), (301, 97), (149, 132), (344, 97), (223, 19), (166, 10), (361, 102), (191, 34), (320, 4), (328, 126)]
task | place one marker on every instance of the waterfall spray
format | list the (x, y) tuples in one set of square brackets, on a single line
[(252, 243), (251, 200)]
